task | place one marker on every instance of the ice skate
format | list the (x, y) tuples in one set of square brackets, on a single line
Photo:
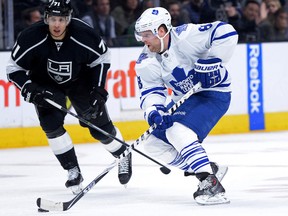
[(210, 192), (218, 171), (125, 169), (75, 180)]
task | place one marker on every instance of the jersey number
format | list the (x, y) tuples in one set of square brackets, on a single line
[(205, 27), (139, 82), (102, 45)]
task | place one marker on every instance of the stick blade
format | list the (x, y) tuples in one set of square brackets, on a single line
[(165, 170), (50, 205)]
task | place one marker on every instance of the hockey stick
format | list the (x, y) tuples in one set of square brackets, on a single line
[(147, 133), (163, 168), (47, 205)]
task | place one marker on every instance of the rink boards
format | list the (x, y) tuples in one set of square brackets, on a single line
[(259, 98)]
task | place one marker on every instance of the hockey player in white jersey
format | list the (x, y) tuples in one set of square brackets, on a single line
[(178, 58)]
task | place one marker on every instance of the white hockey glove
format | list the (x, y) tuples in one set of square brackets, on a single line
[(207, 71), (157, 115)]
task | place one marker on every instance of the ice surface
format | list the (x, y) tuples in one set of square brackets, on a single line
[(256, 183)]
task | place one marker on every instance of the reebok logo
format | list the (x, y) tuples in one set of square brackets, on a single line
[(255, 92), (254, 80)]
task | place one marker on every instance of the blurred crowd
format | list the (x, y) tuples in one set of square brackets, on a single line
[(254, 20)]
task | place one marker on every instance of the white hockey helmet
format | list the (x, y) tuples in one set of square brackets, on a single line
[(151, 19)]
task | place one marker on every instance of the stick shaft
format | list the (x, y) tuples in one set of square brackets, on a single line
[(145, 135), (106, 134), (64, 206)]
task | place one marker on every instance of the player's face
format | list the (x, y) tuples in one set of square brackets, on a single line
[(150, 40), (57, 26)]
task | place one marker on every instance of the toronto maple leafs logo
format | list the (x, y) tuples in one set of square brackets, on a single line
[(181, 28), (155, 12), (141, 58), (183, 82)]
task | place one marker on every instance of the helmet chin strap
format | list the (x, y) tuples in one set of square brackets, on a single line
[(162, 44), (162, 41)]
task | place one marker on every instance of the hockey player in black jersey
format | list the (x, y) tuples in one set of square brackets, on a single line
[(62, 57)]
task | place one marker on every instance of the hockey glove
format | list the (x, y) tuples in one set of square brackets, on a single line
[(98, 98), (153, 116), (36, 94), (207, 71)]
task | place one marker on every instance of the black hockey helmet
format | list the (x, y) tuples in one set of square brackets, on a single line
[(58, 8)]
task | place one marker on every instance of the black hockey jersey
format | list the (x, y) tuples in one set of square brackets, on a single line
[(38, 57)]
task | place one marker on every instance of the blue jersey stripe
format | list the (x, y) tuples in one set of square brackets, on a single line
[(229, 34), (155, 93), (226, 35), (143, 93)]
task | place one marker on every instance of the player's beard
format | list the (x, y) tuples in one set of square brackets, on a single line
[(155, 48)]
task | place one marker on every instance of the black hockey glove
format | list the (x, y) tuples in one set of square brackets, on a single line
[(98, 98), (34, 93)]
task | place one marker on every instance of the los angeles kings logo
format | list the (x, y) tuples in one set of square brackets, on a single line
[(60, 72)]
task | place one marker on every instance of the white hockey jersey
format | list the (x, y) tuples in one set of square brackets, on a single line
[(188, 43)]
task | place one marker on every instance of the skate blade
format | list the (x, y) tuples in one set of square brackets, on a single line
[(76, 189), (222, 170), (212, 200)]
